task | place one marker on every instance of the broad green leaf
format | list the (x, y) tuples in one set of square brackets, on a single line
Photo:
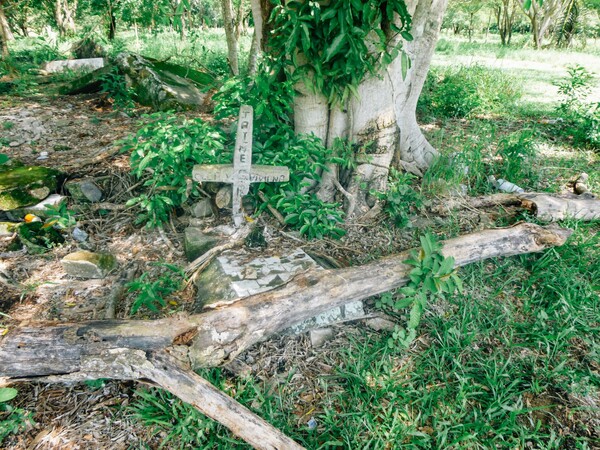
[(406, 35), (335, 47), (3, 158), (7, 394)]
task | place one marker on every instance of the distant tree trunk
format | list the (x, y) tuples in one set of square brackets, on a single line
[(232, 42), (112, 21), (7, 34), (505, 17), (64, 15), (4, 31), (542, 14)]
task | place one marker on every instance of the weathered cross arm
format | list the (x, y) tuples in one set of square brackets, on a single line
[(86, 350), (241, 173)]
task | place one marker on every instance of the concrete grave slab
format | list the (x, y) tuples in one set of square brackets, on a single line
[(87, 64), (237, 274)]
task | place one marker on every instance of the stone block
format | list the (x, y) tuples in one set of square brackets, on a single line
[(202, 208), (87, 64), (84, 264), (84, 190), (197, 243)]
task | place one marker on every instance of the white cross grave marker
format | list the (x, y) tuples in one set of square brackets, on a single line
[(241, 173)]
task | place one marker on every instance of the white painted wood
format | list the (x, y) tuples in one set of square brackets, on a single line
[(241, 173)]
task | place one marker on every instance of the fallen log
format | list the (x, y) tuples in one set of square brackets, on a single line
[(136, 349), (550, 208)]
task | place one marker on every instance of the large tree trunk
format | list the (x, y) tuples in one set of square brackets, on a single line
[(383, 115), (232, 42)]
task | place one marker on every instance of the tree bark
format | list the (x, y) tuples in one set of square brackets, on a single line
[(4, 32), (232, 42), (218, 336), (384, 114)]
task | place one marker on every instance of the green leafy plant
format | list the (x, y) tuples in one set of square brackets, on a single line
[(115, 88), (12, 420), (341, 42), (580, 119), (4, 158), (467, 91), (313, 217), (433, 275), (153, 294), (163, 153), (518, 152), (276, 143), (400, 197), (60, 217)]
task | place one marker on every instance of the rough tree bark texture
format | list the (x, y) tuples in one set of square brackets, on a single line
[(218, 336), (232, 42), (162, 350), (384, 113)]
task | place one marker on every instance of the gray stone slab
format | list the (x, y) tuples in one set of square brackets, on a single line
[(87, 64), (234, 275)]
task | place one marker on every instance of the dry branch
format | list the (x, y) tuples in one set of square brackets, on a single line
[(146, 349), (546, 207)]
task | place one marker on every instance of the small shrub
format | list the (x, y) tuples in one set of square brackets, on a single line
[(432, 276), (163, 153), (581, 119), (12, 420), (115, 88), (518, 152), (468, 91), (400, 197), (153, 295)]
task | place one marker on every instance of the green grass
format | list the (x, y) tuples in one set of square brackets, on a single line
[(507, 364)]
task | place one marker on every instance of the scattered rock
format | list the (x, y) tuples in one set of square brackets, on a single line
[(79, 235), (43, 156), (26, 185), (380, 323), (319, 336), (7, 228), (203, 208), (197, 243), (84, 264), (84, 190)]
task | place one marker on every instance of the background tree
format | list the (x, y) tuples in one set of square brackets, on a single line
[(5, 34), (542, 15), (360, 73), (505, 11)]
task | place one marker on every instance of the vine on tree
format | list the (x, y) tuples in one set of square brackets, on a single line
[(336, 45)]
